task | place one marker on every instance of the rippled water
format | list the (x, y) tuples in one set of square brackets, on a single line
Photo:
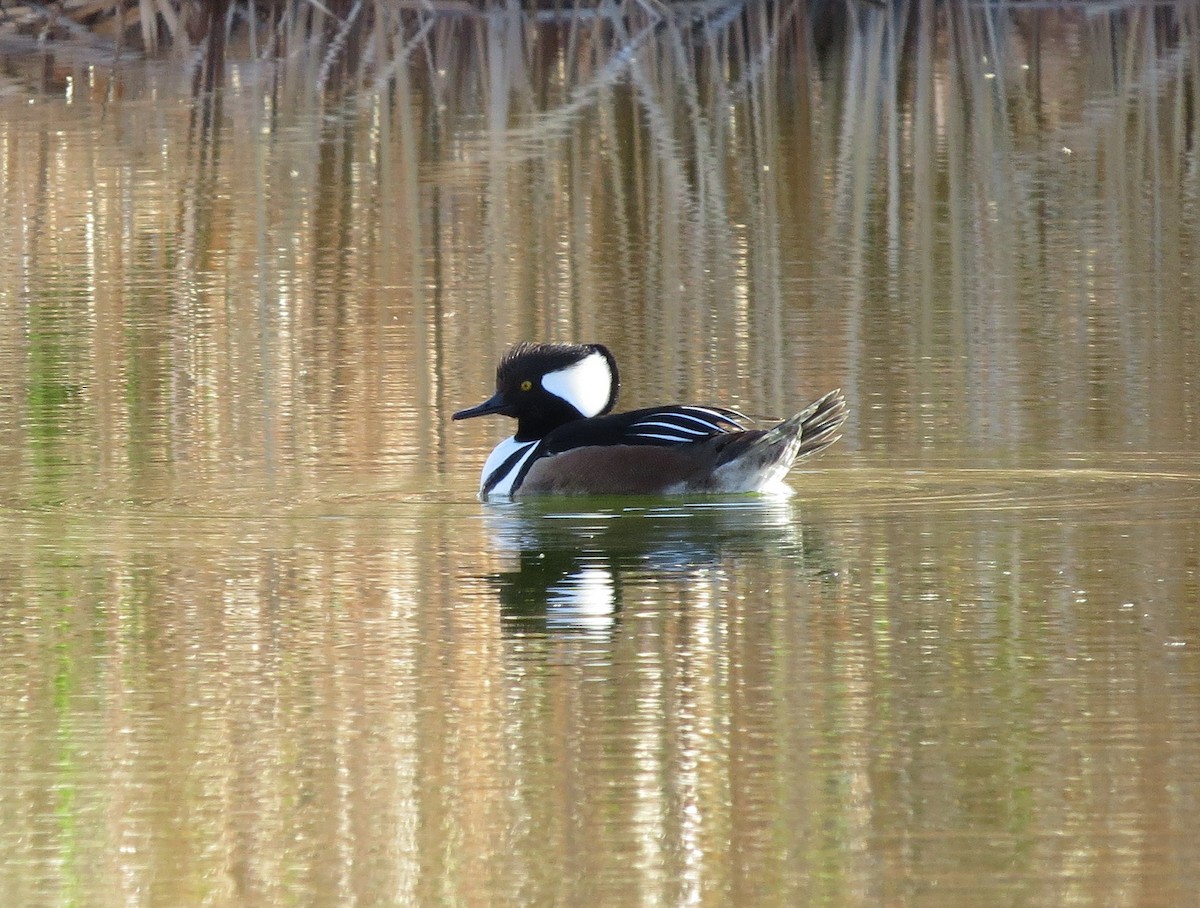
[(259, 643)]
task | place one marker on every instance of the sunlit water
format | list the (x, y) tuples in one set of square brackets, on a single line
[(259, 643)]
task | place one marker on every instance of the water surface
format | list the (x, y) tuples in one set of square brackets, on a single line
[(259, 643)]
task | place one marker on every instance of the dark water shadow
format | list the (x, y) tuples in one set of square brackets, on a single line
[(572, 559)]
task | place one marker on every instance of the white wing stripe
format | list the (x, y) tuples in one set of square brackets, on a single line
[(672, 426), (683, 425), (677, 421), (714, 418), (663, 437)]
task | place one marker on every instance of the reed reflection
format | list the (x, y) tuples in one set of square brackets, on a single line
[(306, 272)]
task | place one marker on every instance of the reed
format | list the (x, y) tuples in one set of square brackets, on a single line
[(358, 30)]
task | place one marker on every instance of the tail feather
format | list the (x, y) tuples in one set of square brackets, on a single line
[(756, 459), (818, 423)]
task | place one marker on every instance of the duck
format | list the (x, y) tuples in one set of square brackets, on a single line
[(569, 442)]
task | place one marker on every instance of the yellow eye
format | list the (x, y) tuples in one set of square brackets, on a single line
[(526, 385)]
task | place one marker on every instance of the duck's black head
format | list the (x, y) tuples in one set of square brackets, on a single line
[(543, 386)]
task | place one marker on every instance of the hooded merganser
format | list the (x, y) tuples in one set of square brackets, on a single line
[(559, 395)]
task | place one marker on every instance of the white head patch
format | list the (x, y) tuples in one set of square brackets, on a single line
[(585, 385)]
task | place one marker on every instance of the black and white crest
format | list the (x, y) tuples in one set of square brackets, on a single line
[(582, 375)]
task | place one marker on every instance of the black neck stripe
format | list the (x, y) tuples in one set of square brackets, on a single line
[(501, 471)]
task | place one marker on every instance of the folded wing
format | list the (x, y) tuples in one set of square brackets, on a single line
[(673, 425)]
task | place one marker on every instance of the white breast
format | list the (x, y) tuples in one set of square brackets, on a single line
[(500, 454)]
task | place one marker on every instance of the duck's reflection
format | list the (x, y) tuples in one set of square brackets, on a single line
[(583, 600), (572, 557)]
